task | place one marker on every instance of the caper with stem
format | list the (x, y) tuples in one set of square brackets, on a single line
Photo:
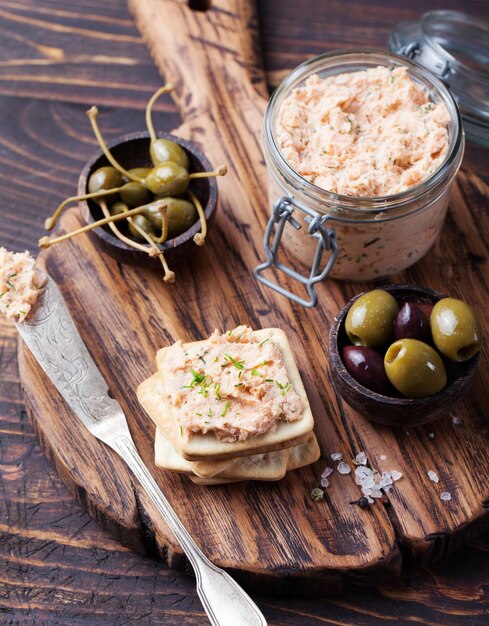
[(167, 178), (163, 150)]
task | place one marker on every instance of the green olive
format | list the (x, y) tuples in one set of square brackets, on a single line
[(162, 150), (456, 329), (167, 179), (370, 320), (143, 224), (414, 368), (181, 216), (105, 178), (118, 208), (135, 194)]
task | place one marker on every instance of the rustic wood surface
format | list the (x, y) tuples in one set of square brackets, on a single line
[(60, 568)]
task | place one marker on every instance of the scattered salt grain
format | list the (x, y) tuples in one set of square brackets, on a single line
[(383, 457), (361, 458), (456, 420), (386, 479), (431, 435), (363, 474), (336, 456), (446, 496), (324, 476), (343, 468), (395, 475), (433, 476)]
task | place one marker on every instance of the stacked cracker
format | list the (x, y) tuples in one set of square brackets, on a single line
[(209, 461)]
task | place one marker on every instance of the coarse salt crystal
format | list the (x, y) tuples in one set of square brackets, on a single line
[(336, 456), (376, 493), (446, 496), (433, 476), (361, 458), (395, 475), (324, 476), (387, 488), (385, 481), (383, 457), (369, 500), (343, 468), (456, 420), (431, 435), (362, 474), (366, 490)]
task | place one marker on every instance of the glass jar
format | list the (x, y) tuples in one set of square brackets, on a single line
[(367, 237)]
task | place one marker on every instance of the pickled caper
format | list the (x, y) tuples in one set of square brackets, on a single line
[(181, 216), (135, 194)]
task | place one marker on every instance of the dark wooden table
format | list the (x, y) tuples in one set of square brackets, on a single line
[(56, 59)]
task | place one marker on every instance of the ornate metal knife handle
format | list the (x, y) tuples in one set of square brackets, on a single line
[(53, 339)]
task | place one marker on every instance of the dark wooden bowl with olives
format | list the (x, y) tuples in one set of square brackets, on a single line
[(133, 151), (404, 355)]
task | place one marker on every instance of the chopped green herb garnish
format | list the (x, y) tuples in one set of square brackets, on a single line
[(264, 341), (217, 388), (237, 364), (238, 384), (181, 431), (255, 372), (269, 380), (22, 312), (209, 412), (225, 408), (202, 359), (9, 284), (216, 359), (199, 414), (12, 275), (2, 294)]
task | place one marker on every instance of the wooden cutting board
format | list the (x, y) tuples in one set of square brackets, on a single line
[(269, 532)]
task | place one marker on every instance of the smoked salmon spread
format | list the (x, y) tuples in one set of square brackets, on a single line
[(232, 385), (368, 133), (20, 284)]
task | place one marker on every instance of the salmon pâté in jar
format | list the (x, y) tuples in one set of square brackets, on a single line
[(361, 148)]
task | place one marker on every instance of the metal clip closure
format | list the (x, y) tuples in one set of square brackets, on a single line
[(281, 214)]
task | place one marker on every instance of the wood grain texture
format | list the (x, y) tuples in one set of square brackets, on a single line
[(60, 567), (110, 304)]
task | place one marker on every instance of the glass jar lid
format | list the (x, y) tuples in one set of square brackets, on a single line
[(455, 47)]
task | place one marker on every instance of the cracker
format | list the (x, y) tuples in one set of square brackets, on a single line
[(208, 447), (268, 466)]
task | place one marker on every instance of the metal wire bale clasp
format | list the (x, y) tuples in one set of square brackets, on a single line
[(281, 214)]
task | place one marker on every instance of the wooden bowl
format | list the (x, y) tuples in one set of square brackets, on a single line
[(391, 410), (133, 151)]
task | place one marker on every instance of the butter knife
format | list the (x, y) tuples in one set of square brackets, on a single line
[(52, 337)]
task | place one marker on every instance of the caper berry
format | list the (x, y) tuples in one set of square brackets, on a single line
[(167, 179), (135, 194), (181, 216), (103, 179), (414, 368), (370, 320), (163, 150), (143, 223), (117, 208), (456, 329)]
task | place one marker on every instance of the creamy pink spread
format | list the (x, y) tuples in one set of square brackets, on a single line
[(367, 133), (233, 385), (20, 284)]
